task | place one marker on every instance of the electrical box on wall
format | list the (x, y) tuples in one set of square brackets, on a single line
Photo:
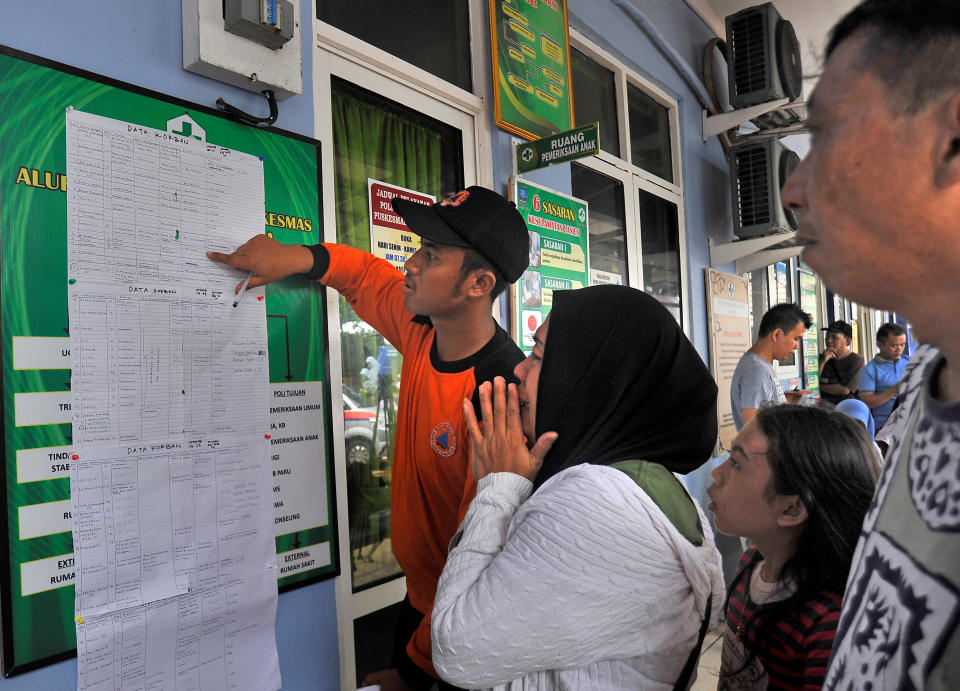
[(268, 22), (251, 44)]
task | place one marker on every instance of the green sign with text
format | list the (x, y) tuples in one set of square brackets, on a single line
[(531, 66), (559, 254), (559, 148)]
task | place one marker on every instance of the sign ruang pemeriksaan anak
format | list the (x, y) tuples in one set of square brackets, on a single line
[(559, 148)]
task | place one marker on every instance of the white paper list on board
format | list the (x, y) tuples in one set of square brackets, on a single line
[(170, 475)]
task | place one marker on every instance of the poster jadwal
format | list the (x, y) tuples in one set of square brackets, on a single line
[(390, 238), (557, 225), (728, 316)]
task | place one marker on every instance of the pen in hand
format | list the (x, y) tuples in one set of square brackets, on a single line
[(243, 289)]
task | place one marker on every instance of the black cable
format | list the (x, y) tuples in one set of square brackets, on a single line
[(247, 119)]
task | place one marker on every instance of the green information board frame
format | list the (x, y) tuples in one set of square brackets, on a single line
[(38, 627), (530, 50)]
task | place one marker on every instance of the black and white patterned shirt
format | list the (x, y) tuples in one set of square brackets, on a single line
[(898, 629)]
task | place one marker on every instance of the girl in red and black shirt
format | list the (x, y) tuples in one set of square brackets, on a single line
[(798, 483)]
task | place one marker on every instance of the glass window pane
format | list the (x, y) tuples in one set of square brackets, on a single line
[(434, 35), (759, 300), (649, 134), (607, 222), (660, 245), (377, 138), (595, 99)]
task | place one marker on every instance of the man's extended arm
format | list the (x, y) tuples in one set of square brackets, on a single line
[(371, 285), (268, 259), (875, 400)]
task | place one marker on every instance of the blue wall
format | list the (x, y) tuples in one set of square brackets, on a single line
[(141, 43)]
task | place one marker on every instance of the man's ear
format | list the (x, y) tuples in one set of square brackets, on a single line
[(791, 512), (947, 172), (480, 282)]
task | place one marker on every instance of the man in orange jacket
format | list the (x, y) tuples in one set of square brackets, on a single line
[(438, 316)]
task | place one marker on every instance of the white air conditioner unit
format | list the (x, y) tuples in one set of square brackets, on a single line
[(763, 63), (758, 171)]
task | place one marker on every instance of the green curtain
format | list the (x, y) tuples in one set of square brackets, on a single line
[(370, 140)]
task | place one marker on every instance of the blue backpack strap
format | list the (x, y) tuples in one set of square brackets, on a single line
[(669, 494)]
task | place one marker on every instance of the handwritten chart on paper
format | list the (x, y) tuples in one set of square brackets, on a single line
[(171, 504)]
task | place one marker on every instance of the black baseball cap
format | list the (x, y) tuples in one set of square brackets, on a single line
[(477, 218), (841, 327)]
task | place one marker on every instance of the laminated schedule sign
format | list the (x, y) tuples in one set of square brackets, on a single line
[(557, 225), (390, 238)]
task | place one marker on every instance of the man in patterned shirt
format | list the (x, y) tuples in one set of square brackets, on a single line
[(889, 100)]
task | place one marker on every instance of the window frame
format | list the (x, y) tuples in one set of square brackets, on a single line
[(635, 178), (330, 38)]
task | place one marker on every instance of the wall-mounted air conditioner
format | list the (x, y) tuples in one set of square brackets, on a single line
[(763, 62), (758, 171)]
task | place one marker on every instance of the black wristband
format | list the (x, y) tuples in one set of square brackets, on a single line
[(321, 262)]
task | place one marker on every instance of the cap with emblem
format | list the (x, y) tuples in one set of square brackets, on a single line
[(477, 218), (839, 326)]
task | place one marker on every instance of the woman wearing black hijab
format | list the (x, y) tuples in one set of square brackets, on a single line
[(601, 578)]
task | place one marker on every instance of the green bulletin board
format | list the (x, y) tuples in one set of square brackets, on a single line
[(811, 355), (559, 254), (530, 47), (38, 626)]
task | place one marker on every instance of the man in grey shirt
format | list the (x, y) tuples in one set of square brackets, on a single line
[(754, 381)]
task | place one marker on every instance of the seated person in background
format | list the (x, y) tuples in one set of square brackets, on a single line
[(798, 483), (880, 378), (839, 366), (603, 577), (859, 411), (894, 428)]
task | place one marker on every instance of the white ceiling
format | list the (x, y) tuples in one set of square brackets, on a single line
[(811, 19)]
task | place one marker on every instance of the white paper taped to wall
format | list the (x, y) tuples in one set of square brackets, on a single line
[(171, 500)]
